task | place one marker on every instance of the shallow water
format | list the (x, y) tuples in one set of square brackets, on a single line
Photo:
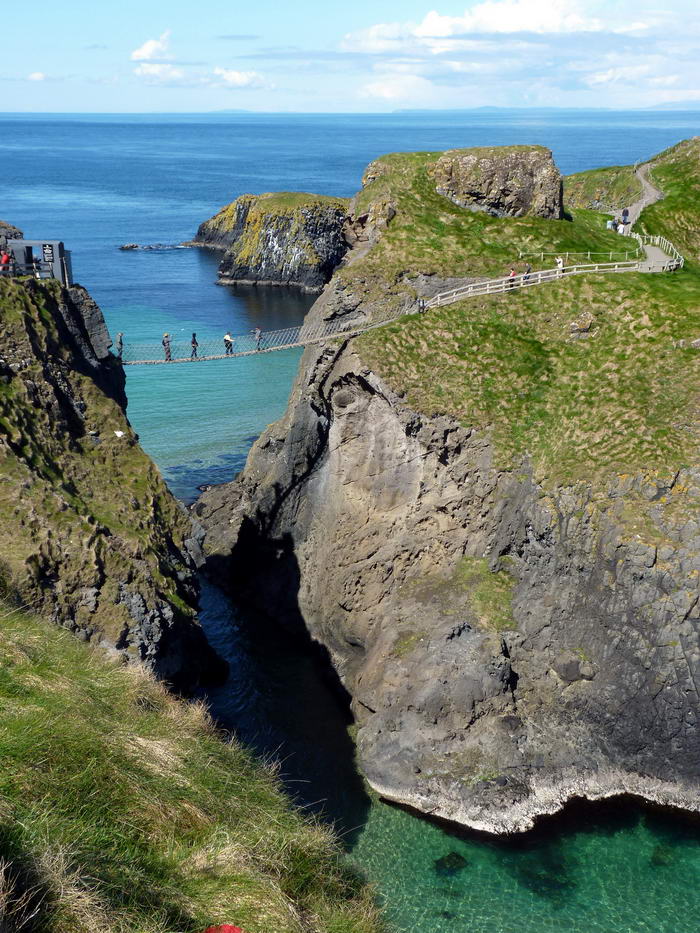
[(99, 182)]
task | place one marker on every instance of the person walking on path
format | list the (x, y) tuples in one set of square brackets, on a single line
[(120, 344), (194, 345), (5, 262), (626, 215), (621, 228), (228, 344), (166, 347), (511, 277), (258, 337), (527, 272), (560, 265)]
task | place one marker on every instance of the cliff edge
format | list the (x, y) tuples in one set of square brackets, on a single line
[(489, 514), (285, 238), (89, 534)]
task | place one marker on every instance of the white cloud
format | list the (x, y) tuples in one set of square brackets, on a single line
[(36, 76), (399, 87), (623, 74), (159, 73), (540, 16), (229, 77), (152, 48)]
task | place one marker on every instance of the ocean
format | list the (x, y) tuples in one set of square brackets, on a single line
[(98, 181)]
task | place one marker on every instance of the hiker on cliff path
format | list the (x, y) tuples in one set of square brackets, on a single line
[(120, 344), (166, 347), (511, 277), (526, 273), (560, 265), (5, 261)]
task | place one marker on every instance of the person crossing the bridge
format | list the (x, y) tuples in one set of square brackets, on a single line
[(166, 347), (257, 333), (194, 344), (228, 343)]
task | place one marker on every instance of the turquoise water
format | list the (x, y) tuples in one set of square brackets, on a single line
[(100, 182), (612, 869)]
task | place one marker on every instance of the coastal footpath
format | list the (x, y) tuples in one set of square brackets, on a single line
[(488, 514), (286, 238)]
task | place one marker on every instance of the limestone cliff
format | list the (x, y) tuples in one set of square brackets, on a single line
[(489, 515), (89, 534), (278, 239)]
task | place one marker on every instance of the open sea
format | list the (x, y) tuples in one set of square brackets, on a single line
[(98, 181)]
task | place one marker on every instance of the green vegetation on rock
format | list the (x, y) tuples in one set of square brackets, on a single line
[(431, 235), (603, 188), (677, 173), (580, 399), (123, 810)]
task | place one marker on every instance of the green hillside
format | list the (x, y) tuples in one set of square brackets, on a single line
[(123, 810)]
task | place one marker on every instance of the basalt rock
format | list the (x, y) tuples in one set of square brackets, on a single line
[(89, 534), (278, 239), (377, 528), (508, 645), (507, 181)]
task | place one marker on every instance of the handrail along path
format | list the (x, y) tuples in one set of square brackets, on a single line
[(660, 255)]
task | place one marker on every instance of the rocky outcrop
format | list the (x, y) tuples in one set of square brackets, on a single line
[(89, 534), (506, 648), (278, 239), (508, 181), (9, 232)]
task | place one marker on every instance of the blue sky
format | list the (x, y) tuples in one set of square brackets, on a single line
[(130, 56)]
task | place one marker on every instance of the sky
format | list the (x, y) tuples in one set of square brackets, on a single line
[(365, 56)]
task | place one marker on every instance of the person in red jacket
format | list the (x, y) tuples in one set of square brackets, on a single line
[(5, 262)]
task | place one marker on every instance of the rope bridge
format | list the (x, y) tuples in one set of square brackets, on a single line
[(660, 255)]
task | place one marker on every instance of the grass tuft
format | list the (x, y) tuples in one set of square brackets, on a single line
[(122, 810)]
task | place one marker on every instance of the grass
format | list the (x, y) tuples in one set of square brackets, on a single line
[(65, 499), (677, 173), (602, 188), (430, 235), (122, 810), (490, 593), (624, 399), (577, 409)]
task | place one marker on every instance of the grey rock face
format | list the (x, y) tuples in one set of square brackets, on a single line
[(355, 518), (505, 181), (273, 243)]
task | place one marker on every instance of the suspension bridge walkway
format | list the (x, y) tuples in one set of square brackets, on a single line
[(653, 254)]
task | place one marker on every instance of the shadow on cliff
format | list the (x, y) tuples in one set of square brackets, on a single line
[(283, 697)]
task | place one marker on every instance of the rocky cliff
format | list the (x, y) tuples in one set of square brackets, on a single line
[(278, 239), (505, 182), (488, 514), (89, 535)]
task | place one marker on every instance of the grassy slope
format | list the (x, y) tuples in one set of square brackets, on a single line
[(432, 235), (599, 188), (121, 809), (621, 400), (677, 173)]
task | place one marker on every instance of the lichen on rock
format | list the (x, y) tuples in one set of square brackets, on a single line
[(278, 239)]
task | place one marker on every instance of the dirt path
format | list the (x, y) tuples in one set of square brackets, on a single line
[(650, 194)]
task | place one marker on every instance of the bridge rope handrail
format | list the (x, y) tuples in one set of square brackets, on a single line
[(303, 335)]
